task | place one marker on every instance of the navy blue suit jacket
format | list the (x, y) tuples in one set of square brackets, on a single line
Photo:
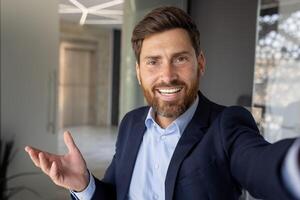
[(219, 153)]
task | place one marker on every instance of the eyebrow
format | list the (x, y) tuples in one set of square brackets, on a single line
[(157, 57), (181, 53), (152, 57)]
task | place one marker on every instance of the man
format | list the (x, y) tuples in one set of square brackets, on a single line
[(182, 146)]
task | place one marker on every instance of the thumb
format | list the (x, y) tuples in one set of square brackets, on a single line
[(70, 142)]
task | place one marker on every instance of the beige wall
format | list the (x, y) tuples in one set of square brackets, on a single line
[(102, 38)]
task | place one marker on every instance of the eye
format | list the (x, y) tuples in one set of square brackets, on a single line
[(151, 62), (181, 59)]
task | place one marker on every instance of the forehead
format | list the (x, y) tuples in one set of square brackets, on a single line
[(167, 42)]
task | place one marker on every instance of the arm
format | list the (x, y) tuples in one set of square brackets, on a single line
[(291, 169), (101, 191), (254, 163), (68, 171), (105, 189), (88, 192)]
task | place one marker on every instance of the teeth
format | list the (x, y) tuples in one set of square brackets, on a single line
[(169, 91)]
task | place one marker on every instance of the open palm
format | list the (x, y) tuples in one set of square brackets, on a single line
[(68, 171)]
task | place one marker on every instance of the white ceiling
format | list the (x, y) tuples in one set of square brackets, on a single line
[(96, 12)]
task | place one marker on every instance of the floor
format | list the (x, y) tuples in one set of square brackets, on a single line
[(97, 145)]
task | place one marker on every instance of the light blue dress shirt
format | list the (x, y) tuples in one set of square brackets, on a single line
[(156, 150)]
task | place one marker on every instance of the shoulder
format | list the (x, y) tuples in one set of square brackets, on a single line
[(236, 129), (236, 121), (236, 115), (129, 123), (137, 113), (216, 109), (135, 116), (212, 109)]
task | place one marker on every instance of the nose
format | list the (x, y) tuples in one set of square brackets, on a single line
[(168, 73)]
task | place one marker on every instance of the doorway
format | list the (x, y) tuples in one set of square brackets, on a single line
[(77, 84)]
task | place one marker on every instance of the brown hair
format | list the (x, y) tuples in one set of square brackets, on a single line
[(163, 19)]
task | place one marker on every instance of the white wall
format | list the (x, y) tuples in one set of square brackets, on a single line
[(29, 55)]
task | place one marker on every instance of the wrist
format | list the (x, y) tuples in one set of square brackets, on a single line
[(88, 192), (83, 181)]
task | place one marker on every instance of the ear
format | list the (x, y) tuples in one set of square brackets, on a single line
[(201, 63), (137, 69)]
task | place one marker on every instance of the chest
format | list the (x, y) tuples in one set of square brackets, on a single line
[(205, 173), (152, 161)]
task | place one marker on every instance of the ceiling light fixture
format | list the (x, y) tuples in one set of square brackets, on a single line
[(98, 10)]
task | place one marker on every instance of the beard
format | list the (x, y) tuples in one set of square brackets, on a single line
[(172, 109)]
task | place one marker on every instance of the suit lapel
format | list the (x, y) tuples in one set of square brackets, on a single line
[(190, 137), (134, 140)]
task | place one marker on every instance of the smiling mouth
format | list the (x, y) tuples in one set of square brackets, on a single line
[(169, 91)]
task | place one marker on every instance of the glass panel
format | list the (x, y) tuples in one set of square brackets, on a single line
[(276, 96)]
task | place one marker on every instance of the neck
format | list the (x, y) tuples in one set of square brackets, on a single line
[(162, 121)]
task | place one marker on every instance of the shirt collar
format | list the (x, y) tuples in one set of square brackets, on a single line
[(181, 122)]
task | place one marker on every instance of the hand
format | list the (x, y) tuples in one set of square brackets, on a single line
[(68, 171)]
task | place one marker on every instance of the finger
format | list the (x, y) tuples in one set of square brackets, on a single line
[(27, 148), (36, 151), (44, 163), (34, 159), (69, 142), (53, 173), (33, 155), (31, 149)]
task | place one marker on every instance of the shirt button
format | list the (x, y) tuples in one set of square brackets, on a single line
[(155, 196), (156, 166), (163, 137)]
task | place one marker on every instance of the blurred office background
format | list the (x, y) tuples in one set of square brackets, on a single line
[(68, 65)]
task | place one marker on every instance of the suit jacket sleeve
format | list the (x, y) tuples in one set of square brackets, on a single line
[(254, 163), (106, 188)]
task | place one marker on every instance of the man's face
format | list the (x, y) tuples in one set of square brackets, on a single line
[(169, 72)]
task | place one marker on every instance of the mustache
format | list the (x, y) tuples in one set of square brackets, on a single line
[(172, 83)]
